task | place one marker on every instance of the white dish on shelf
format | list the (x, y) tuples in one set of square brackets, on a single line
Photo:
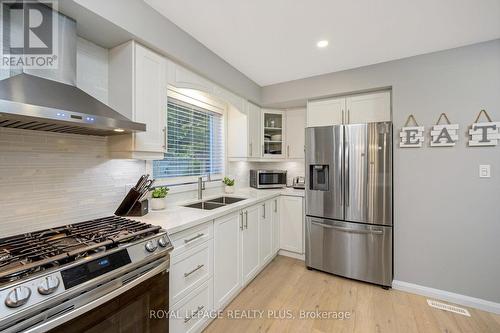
[(276, 137)]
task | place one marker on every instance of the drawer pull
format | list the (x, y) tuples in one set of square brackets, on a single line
[(186, 241), (201, 307), (194, 270)]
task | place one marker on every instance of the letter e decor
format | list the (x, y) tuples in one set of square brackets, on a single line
[(411, 136)]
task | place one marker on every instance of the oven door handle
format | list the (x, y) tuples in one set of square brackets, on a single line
[(127, 285)]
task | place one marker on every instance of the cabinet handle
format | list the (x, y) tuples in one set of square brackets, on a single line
[(343, 117), (275, 205), (264, 211), (348, 116), (263, 150), (186, 241), (194, 270), (288, 151), (194, 314), (246, 219), (251, 149), (241, 220)]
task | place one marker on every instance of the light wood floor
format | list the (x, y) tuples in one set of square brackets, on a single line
[(287, 285)]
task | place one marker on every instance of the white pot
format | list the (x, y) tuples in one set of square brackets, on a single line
[(158, 203), (229, 189)]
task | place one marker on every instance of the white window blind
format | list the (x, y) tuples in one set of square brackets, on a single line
[(195, 142)]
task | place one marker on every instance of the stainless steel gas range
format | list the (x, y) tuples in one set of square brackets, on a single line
[(94, 276)]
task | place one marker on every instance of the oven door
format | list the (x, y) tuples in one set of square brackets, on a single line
[(121, 305), (271, 179)]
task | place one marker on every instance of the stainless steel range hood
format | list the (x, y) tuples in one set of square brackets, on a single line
[(48, 100)]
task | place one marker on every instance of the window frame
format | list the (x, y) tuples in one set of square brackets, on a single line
[(203, 101)]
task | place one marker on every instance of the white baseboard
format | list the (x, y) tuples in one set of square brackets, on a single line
[(292, 255), (472, 302)]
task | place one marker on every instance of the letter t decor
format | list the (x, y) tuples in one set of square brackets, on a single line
[(484, 134)]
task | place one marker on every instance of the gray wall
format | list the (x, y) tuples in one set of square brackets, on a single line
[(137, 18), (447, 219)]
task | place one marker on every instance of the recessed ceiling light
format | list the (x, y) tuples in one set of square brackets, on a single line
[(322, 43), (119, 130)]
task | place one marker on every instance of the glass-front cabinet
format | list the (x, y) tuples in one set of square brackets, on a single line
[(273, 133)]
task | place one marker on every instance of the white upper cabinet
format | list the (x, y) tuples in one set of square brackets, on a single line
[(254, 116), (368, 108), (243, 131), (354, 109), (273, 133), (295, 128), (325, 112), (138, 90)]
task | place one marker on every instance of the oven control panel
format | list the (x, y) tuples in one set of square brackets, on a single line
[(31, 292)]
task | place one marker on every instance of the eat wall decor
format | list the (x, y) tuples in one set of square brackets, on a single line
[(446, 135)]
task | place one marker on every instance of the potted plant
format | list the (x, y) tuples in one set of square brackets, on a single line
[(158, 197), (229, 188)]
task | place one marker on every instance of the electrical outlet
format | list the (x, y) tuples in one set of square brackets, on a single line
[(485, 171)]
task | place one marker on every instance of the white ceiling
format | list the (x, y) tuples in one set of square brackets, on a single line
[(274, 41)]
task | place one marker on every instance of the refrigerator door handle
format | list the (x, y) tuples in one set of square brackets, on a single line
[(347, 173), (357, 231)]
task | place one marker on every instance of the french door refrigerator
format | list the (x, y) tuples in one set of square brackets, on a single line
[(349, 201)]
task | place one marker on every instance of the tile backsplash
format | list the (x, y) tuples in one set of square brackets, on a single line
[(241, 170), (51, 179)]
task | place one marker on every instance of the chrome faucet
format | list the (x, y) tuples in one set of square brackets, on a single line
[(201, 185)]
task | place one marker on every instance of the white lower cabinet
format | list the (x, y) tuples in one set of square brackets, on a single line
[(276, 224), (190, 278), (292, 224), (266, 232), (212, 262), (227, 258), (250, 243), (192, 313), (189, 270)]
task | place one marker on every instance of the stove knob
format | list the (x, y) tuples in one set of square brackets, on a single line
[(48, 285), (151, 246), (18, 296), (163, 241)]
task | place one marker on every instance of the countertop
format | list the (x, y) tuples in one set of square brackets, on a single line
[(176, 218)]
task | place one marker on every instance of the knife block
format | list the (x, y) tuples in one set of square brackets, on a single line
[(140, 208)]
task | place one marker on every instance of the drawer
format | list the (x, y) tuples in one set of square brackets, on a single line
[(189, 270), (193, 312), (192, 237)]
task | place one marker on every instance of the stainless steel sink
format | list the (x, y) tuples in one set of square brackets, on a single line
[(214, 203), (226, 200)]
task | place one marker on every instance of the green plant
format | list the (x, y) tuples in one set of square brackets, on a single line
[(228, 181), (160, 192)]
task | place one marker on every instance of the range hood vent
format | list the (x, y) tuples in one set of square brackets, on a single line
[(48, 100)]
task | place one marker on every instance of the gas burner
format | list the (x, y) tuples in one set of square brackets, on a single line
[(26, 254)]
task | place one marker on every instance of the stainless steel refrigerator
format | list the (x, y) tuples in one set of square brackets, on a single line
[(349, 209)]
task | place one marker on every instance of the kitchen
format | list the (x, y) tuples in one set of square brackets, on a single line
[(188, 108)]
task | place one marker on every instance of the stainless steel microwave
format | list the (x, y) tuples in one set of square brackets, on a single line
[(268, 178)]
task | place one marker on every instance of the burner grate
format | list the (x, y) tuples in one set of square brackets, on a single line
[(22, 254)]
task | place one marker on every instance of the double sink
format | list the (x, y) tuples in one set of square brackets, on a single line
[(214, 203)]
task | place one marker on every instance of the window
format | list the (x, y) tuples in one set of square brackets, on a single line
[(195, 142)]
